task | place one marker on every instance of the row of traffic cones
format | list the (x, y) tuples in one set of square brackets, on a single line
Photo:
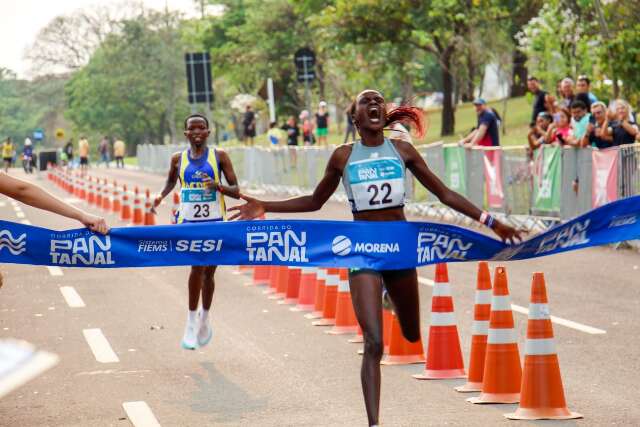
[(131, 206), (494, 370)]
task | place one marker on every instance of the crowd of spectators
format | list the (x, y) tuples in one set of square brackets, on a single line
[(575, 117)]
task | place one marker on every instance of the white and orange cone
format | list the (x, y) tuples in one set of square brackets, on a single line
[(502, 370), (542, 395), (444, 355), (479, 330)]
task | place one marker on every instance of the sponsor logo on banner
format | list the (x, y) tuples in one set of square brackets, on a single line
[(275, 242), (81, 249), (14, 245), (343, 246), (567, 237), (434, 246), (193, 246), (619, 221)]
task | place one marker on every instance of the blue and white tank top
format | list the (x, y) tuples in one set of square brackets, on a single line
[(374, 177), (198, 203)]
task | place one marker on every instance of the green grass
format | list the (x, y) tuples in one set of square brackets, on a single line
[(132, 161)]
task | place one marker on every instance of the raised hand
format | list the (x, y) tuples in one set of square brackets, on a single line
[(253, 208)]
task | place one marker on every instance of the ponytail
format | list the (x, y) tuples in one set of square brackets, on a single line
[(409, 115)]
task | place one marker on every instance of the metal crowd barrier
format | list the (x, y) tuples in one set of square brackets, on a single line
[(297, 170)]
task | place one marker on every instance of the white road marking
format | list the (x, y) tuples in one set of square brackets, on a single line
[(140, 414), (100, 346), (71, 296), (524, 310), (26, 222), (55, 271)]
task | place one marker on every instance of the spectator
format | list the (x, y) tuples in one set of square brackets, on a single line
[(322, 123), (580, 119), (103, 149), (83, 152), (249, 124), (583, 85), (598, 133), (561, 133), (538, 133), (7, 154), (566, 91), (274, 135), (119, 151), (623, 130), (307, 128), (539, 101), (351, 129), (486, 133), (68, 150), (291, 127)]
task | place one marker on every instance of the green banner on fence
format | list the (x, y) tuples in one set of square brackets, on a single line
[(546, 179), (455, 166)]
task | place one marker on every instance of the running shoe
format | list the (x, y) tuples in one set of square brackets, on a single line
[(190, 340), (204, 333)]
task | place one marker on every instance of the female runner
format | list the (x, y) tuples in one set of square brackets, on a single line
[(199, 169), (379, 200)]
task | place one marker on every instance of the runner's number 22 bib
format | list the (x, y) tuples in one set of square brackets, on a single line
[(376, 183), (199, 204)]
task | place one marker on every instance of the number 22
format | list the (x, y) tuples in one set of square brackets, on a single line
[(373, 188)]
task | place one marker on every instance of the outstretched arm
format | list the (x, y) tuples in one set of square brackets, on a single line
[(172, 178), (231, 190), (325, 188), (431, 182), (37, 197)]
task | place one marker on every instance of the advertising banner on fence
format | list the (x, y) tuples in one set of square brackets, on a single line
[(493, 178), (356, 244), (605, 177), (455, 167), (547, 179)]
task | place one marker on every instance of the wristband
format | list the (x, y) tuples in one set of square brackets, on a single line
[(483, 217), (487, 219)]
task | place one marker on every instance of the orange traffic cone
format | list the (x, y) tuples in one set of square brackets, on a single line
[(402, 351), (318, 304), (260, 275), (542, 396), (175, 207), (76, 186), (83, 189), (502, 370), (358, 338), (138, 214), (479, 330), (98, 193), (282, 280), (91, 195), (307, 291), (346, 322), (444, 356), (273, 279), (106, 197), (116, 206), (293, 286), (125, 212), (149, 217), (330, 299)]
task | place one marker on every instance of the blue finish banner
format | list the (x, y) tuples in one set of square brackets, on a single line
[(377, 245)]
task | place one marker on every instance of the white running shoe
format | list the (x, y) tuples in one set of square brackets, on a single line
[(204, 332), (190, 340)]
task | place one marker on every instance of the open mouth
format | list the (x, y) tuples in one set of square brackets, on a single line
[(374, 112)]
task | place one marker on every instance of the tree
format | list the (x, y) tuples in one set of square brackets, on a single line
[(436, 27)]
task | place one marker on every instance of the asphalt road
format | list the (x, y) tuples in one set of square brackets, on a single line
[(267, 365)]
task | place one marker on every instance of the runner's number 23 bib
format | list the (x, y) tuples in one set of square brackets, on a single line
[(376, 183), (199, 204)]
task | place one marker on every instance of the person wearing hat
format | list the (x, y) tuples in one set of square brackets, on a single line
[(322, 123), (27, 156), (486, 132)]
